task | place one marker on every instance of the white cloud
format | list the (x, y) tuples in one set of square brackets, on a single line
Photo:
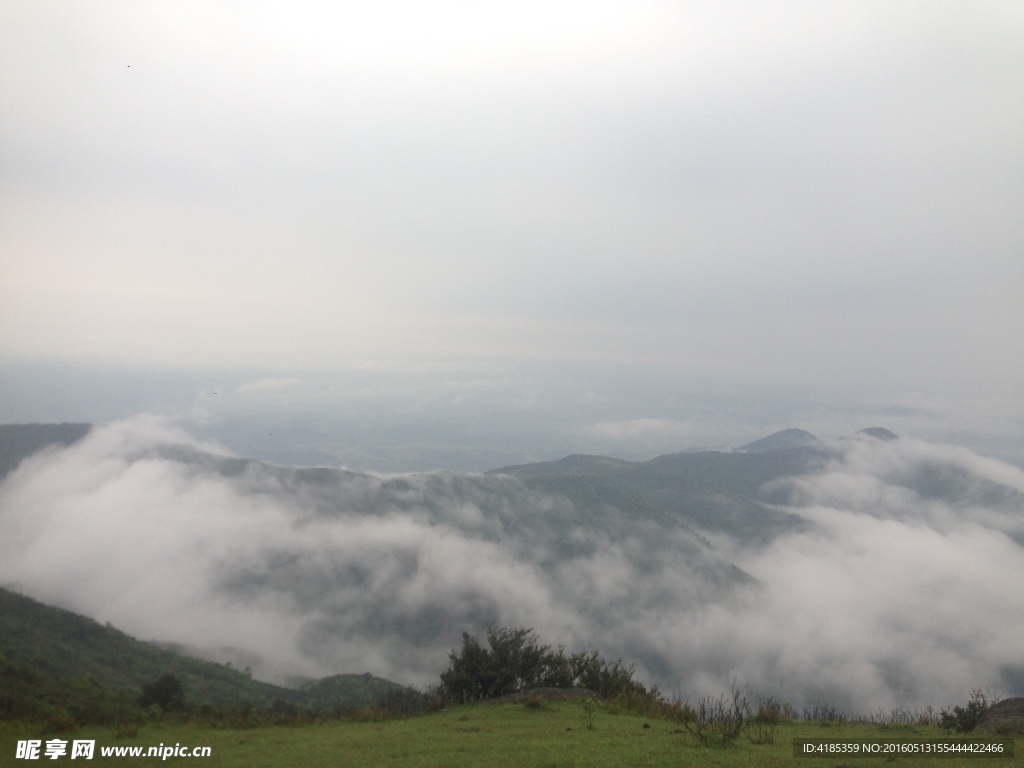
[(724, 186), (893, 596)]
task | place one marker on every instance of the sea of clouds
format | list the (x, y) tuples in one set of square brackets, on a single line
[(903, 589)]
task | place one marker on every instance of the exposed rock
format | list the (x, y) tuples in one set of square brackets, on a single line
[(1004, 717)]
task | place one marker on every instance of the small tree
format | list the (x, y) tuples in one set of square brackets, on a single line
[(167, 692), (964, 719), (516, 661)]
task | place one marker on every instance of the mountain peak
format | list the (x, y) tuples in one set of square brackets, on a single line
[(787, 438), (879, 433)]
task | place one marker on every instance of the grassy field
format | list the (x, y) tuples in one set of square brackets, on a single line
[(553, 735)]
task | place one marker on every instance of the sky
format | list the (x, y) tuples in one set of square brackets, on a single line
[(403, 236)]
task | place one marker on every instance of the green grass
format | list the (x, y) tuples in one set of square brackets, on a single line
[(553, 735)]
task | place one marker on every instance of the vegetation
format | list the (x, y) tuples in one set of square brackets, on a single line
[(965, 719), (166, 693), (720, 721), (708, 490), (614, 720), (485, 734), (57, 665), (31, 695), (515, 661)]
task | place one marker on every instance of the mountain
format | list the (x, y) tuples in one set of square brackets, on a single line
[(787, 438), (705, 491), (19, 441), (60, 645), (879, 433), (374, 572), (691, 565)]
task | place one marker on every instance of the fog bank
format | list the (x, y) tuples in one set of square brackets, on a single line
[(903, 589)]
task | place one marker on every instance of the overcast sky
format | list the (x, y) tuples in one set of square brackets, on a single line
[(675, 209)]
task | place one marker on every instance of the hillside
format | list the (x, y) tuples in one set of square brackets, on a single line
[(64, 646), (692, 565), (709, 491), (787, 438)]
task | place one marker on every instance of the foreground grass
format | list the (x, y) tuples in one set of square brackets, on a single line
[(555, 735)]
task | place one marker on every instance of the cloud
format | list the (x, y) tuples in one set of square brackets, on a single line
[(142, 526), (894, 594), (899, 594), (269, 385), (642, 181)]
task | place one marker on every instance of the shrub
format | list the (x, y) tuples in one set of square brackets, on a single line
[(589, 670), (533, 701), (720, 721), (514, 661), (825, 715), (587, 713), (404, 701), (167, 693), (762, 727), (964, 719)]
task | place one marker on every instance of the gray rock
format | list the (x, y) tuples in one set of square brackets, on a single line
[(1005, 717)]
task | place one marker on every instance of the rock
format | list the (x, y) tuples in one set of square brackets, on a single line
[(1005, 717)]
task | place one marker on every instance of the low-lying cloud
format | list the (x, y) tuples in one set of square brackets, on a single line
[(903, 589)]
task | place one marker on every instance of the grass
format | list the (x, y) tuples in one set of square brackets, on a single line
[(553, 735)]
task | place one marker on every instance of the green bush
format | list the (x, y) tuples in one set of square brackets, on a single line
[(514, 660), (964, 719), (167, 693)]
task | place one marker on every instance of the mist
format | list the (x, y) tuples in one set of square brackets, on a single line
[(902, 589)]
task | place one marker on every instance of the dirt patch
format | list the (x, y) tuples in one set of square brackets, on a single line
[(548, 694)]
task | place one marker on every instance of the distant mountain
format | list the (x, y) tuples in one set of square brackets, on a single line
[(19, 441), (62, 645), (706, 491), (444, 550), (787, 438), (879, 433), (577, 464)]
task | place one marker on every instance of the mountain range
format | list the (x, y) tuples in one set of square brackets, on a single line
[(691, 565)]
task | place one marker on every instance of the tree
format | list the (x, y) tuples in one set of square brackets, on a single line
[(516, 661), (167, 692), (964, 719)]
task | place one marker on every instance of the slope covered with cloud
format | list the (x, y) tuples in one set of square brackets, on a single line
[(900, 587)]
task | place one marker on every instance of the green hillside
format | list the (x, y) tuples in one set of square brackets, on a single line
[(52, 645), (568, 733)]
